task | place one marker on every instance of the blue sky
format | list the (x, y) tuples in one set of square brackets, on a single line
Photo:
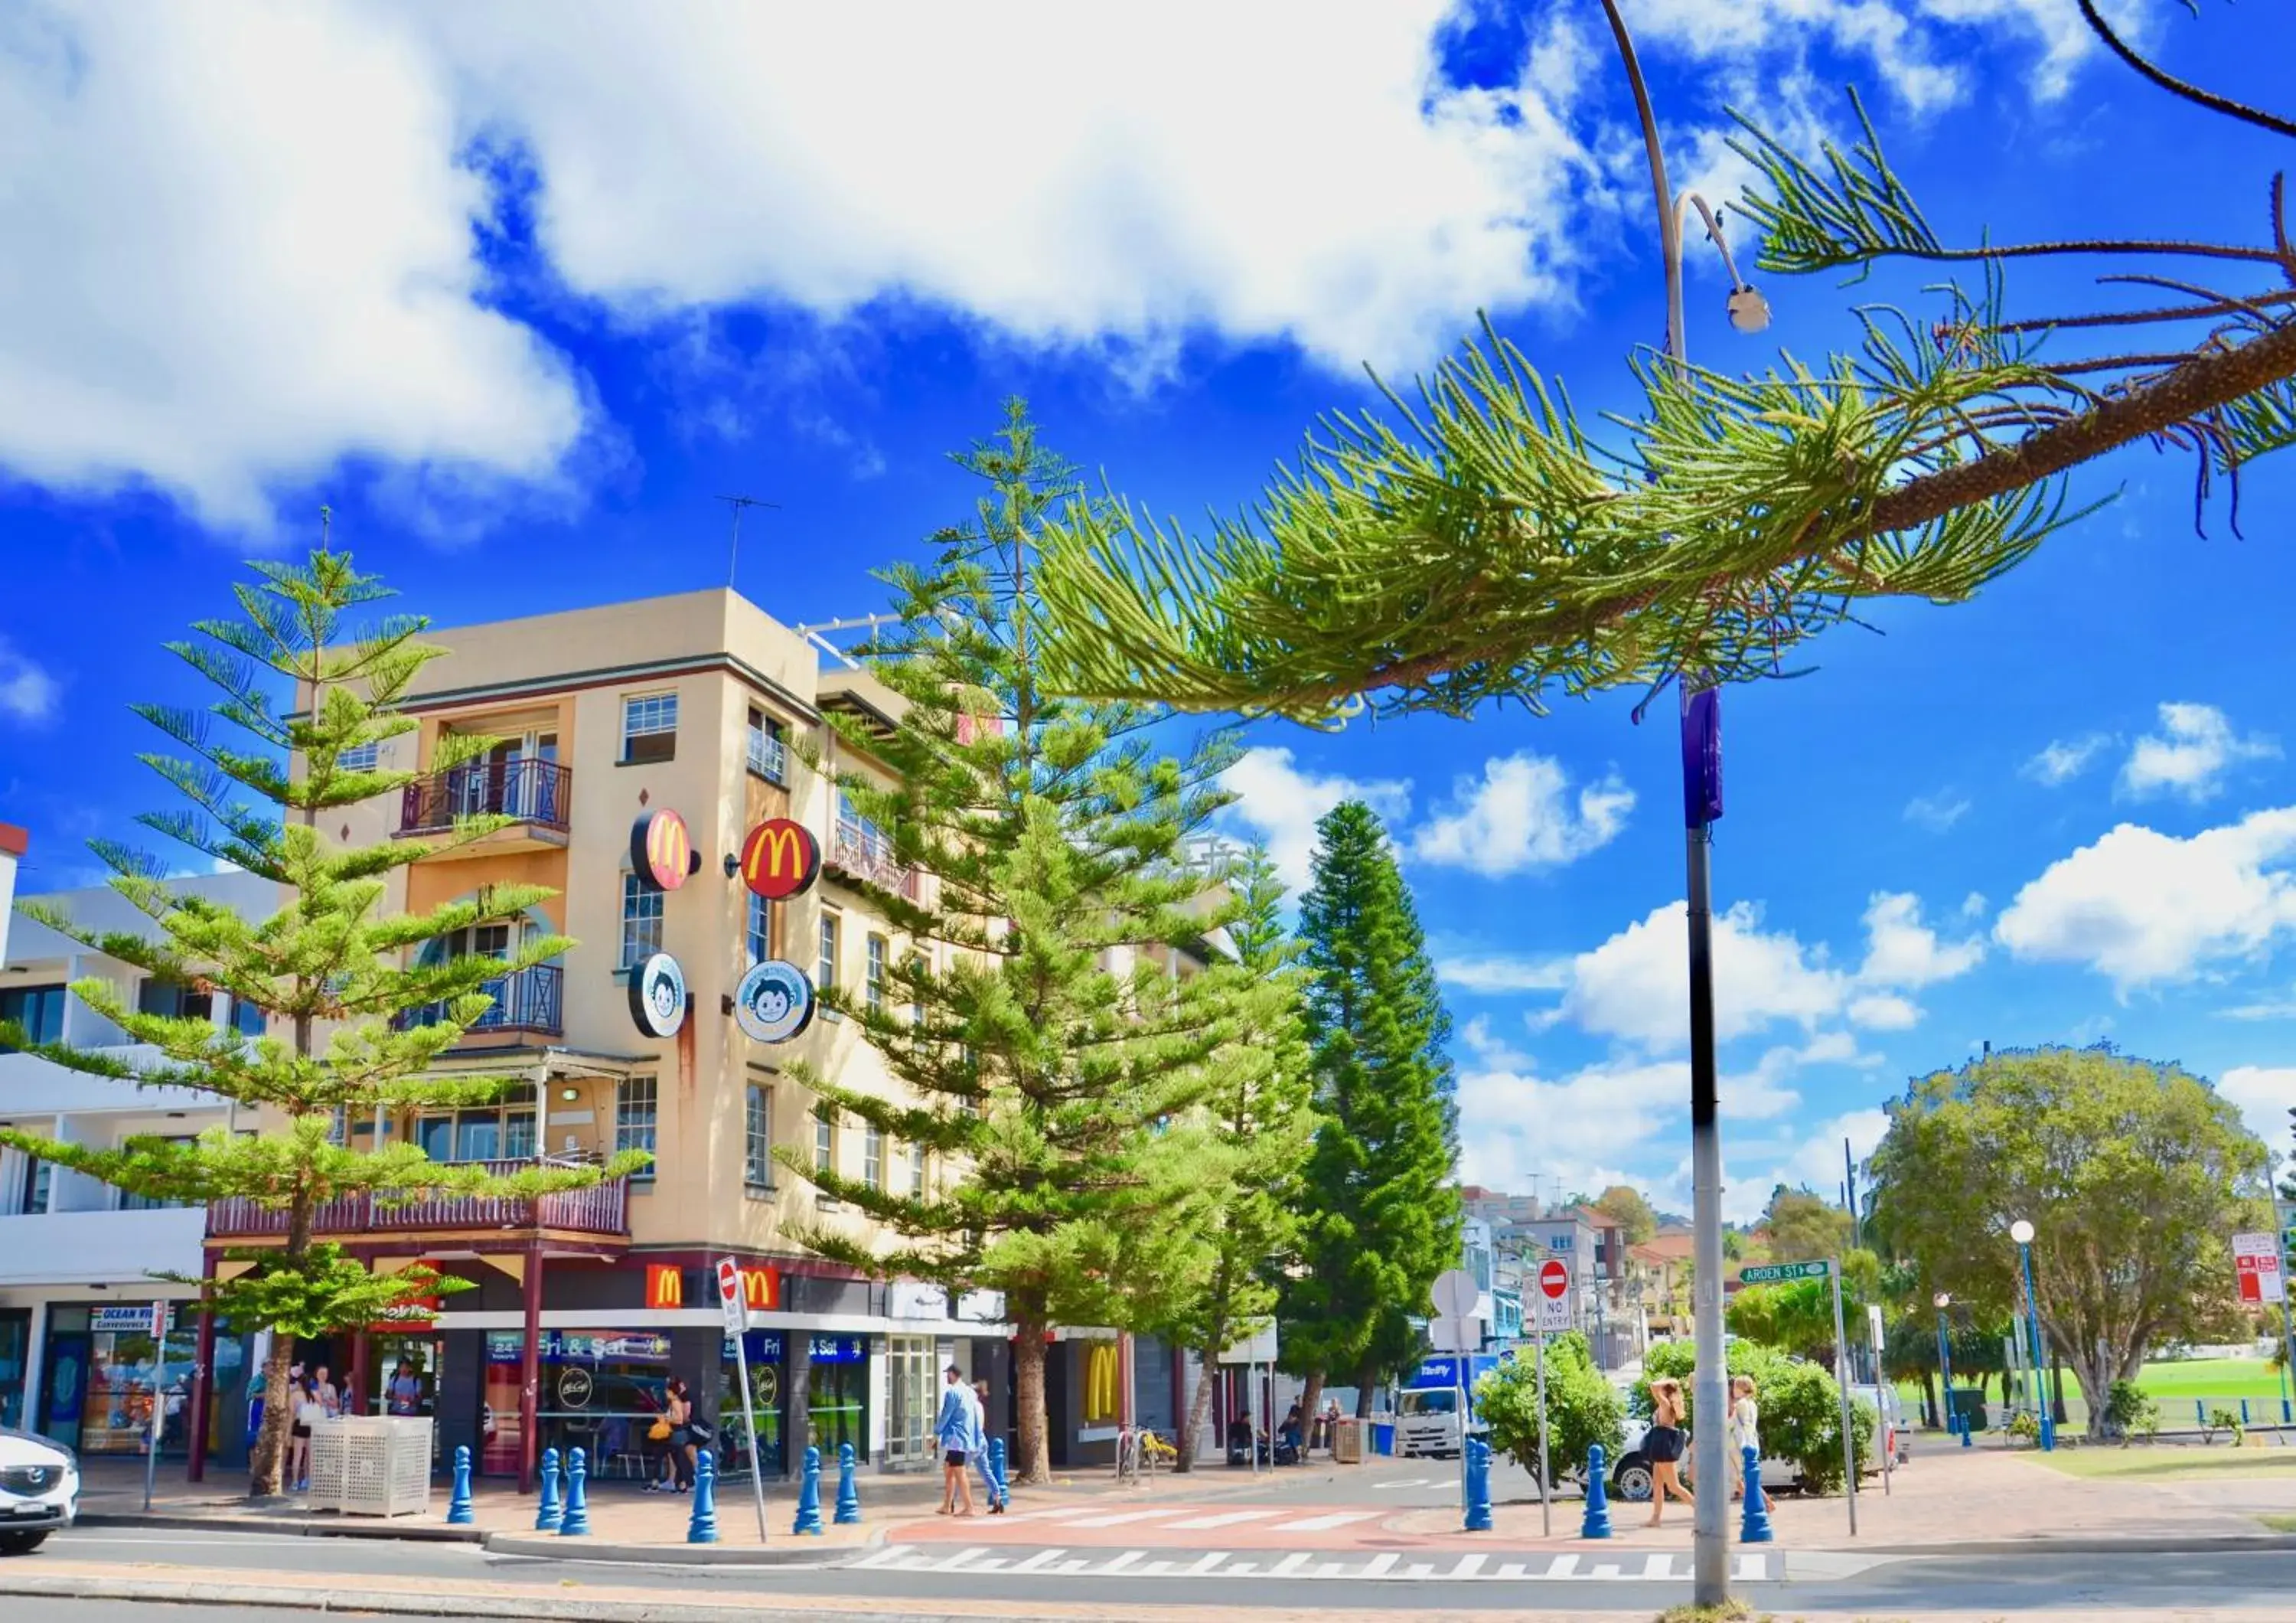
[(521, 291)]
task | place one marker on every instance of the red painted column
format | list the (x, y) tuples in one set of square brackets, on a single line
[(203, 1380), (355, 1398), (529, 1378)]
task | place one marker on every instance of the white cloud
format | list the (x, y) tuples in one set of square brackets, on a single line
[(1280, 804), (2270, 1009), (1937, 813), (241, 250), (2060, 763), (2144, 907), (1883, 1012), (2265, 1095), (1497, 973), (1901, 950), (28, 693), (2191, 753), (1973, 905), (1521, 814)]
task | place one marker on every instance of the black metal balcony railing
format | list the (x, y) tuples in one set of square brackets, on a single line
[(525, 1000), (603, 1208), (532, 791)]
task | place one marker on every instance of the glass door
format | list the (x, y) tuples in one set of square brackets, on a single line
[(915, 1403)]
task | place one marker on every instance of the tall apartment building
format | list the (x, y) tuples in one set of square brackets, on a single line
[(584, 1303), (78, 1360)]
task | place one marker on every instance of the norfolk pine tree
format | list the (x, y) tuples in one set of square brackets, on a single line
[(328, 959), (1255, 1126), (1056, 1058), (1379, 1215)]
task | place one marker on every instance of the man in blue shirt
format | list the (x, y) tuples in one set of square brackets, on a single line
[(955, 1431)]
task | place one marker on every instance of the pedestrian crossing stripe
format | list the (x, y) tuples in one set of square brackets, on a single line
[(1656, 1566), (1306, 1519)]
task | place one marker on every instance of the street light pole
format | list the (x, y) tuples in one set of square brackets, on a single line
[(1945, 1363), (2022, 1231), (1701, 793)]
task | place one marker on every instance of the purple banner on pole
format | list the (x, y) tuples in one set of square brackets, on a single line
[(1702, 758)]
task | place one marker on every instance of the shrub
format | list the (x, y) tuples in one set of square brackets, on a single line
[(2224, 1419), (2023, 1425), (1582, 1408), (2130, 1411), (1801, 1406)]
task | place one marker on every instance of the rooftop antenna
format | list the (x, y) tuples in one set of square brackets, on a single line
[(734, 550)]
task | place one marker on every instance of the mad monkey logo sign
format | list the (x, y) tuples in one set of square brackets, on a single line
[(780, 859)]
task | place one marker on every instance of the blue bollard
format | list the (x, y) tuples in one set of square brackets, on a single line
[(2200, 1413), (2244, 1414), (576, 1522), (996, 1470), (1965, 1422), (553, 1509), (1596, 1523), (1755, 1527), (1478, 1485), (459, 1513), (848, 1495), (703, 1528), (808, 1496)]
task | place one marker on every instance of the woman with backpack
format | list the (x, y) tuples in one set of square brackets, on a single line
[(1663, 1445)]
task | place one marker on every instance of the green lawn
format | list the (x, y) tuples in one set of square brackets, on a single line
[(2234, 1378), (2168, 1463)]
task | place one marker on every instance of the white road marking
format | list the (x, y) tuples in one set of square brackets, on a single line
[(1121, 1517), (1121, 1562), (1337, 1519), (1290, 1564), (1225, 1519), (1378, 1563)]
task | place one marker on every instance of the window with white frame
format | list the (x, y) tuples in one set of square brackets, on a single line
[(757, 1138), (769, 751), (916, 1172), (636, 1105), (829, 962), (359, 758), (825, 1148), (873, 973), (873, 1155), (758, 932), (640, 922), (649, 728)]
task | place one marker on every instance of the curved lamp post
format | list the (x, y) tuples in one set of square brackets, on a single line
[(2022, 1231), (1701, 795), (1941, 1301)]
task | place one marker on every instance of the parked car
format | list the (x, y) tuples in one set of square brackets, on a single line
[(39, 1490), (1889, 1428), (1630, 1472)]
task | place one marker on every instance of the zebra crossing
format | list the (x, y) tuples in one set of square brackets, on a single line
[(1200, 1518), (1388, 1566)]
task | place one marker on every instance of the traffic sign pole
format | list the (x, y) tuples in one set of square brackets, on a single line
[(159, 1400), (1545, 1510), (737, 1311), (1842, 1384)]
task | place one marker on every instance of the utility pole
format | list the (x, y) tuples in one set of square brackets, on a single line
[(733, 549)]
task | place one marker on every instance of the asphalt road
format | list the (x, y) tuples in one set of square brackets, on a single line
[(2136, 1585)]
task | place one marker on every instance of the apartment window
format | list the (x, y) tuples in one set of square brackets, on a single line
[(38, 1180), (499, 1132), (825, 1148), (634, 1118), (359, 758), (173, 999), (873, 969), (641, 920), (649, 728), (130, 1202), (916, 1172), (247, 1019), (760, 928), (757, 1138), (917, 1001), (38, 1009), (828, 964), (768, 747), (873, 1155)]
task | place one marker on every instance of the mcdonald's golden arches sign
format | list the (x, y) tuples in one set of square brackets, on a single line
[(1103, 1373), (780, 859), (661, 850)]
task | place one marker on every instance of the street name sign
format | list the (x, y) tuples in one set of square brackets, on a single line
[(1770, 1274)]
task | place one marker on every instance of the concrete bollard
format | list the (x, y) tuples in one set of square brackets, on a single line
[(996, 1470), (552, 1510), (1754, 1528), (1596, 1523), (849, 1493), (576, 1522), (460, 1513), (808, 1496), (703, 1528), (1478, 1485)]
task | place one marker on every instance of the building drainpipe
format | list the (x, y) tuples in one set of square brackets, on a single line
[(202, 1377), (529, 1378)]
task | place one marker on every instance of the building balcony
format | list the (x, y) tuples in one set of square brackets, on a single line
[(601, 1210), (525, 1000), (862, 852), (99, 1248), (537, 795)]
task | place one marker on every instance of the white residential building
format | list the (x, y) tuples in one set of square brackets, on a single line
[(76, 1257), (13, 842)]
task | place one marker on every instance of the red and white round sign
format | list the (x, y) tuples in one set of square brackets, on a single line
[(1553, 1280)]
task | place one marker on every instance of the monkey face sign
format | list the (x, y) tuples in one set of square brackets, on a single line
[(775, 1002)]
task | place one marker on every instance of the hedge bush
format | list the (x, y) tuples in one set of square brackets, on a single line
[(1801, 1406), (1582, 1408)]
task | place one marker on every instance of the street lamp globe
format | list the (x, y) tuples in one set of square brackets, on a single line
[(1750, 312), (2022, 1231)]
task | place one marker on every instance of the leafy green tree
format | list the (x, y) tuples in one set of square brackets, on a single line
[(1624, 1205), (1803, 1227), (1380, 1213), (2135, 1175), (330, 963), (1800, 1402), (1254, 1132), (1055, 1050), (1583, 1408)]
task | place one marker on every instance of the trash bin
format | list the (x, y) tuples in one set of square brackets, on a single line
[(371, 1465), (1382, 1433), (1347, 1442)]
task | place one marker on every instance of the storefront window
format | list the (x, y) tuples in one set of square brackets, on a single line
[(768, 1393), (15, 1349), (838, 1395), (600, 1392), (103, 1379)]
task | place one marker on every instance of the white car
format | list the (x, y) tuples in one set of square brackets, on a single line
[(39, 1490), (1631, 1473)]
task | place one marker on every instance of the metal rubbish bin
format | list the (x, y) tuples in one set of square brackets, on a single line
[(371, 1465), (1347, 1442)]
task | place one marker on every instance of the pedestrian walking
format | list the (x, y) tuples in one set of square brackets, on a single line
[(953, 1431), (1745, 1432), (1662, 1447), (980, 1448)]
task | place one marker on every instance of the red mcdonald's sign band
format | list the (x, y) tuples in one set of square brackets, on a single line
[(661, 850), (665, 1286), (780, 859)]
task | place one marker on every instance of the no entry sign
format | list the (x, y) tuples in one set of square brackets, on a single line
[(1554, 1300)]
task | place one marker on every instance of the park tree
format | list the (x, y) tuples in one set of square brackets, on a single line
[(1254, 1129), (2134, 1175), (1624, 1205), (299, 687), (1055, 1055), (1379, 1215), (1802, 1227)]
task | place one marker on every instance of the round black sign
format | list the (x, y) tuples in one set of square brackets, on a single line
[(574, 1388)]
